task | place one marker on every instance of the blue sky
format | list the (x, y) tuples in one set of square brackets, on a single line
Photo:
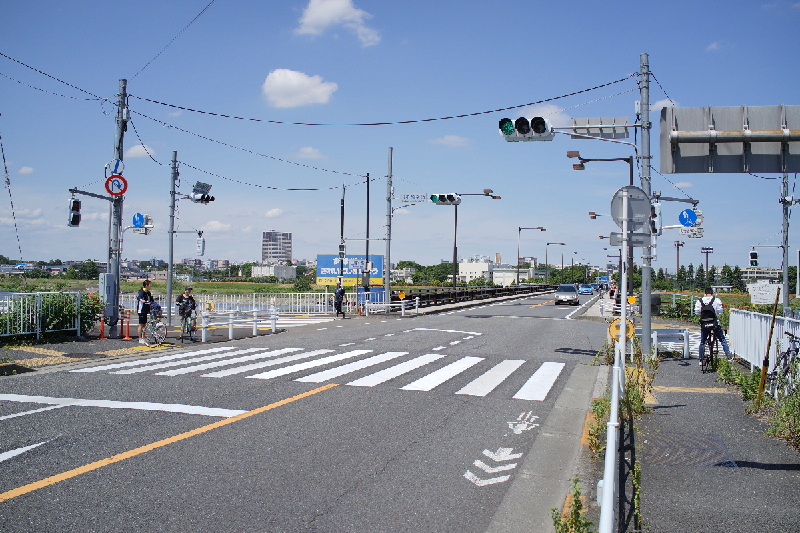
[(363, 61)]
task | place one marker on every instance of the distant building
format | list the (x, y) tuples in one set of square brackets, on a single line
[(217, 264), (192, 262), (279, 271), (276, 247)]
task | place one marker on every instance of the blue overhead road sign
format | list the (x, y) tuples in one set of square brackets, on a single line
[(687, 218)]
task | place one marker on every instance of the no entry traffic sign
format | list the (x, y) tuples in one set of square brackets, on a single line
[(116, 185)]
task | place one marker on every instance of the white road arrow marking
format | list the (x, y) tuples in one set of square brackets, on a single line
[(493, 470), (483, 482), (502, 454)]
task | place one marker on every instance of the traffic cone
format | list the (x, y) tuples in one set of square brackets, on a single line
[(127, 336), (102, 325)]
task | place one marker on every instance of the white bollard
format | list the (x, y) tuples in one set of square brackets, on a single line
[(416, 305), (230, 325), (255, 322), (274, 319), (204, 326)]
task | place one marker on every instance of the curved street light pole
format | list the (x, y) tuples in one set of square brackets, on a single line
[(546, 262)]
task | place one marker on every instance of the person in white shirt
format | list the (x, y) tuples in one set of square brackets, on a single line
[(710, 301)]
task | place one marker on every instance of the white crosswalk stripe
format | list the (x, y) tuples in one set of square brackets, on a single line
[(294, 321), (438, 369)]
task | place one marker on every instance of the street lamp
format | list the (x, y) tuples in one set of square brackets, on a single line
[(580, 166), (678, 245), (486, 192), (546, 262), (519, 230)]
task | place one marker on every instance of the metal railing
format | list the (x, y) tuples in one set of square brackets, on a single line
[(748, 335), (39, 312), (286, 303), (232, 318)]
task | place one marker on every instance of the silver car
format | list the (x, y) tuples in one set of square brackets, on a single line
[(567, 294)]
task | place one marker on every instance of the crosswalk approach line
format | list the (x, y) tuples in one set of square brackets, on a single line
[(540, 383), (181, 362), (308, 364), (438, 377), (486, 383), (332, 373), (151, 360), (395, 371), (263, 364), (227, 362)]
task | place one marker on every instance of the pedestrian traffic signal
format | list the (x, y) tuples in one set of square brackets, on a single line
[(74, 219), (201, 246), (341, 251), (753, 258), (445, 199), (537, 129), (655, 218), (200, 198)]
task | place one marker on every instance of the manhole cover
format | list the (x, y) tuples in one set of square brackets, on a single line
[(686, 449)]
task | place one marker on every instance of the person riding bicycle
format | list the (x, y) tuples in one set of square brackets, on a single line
[(187, 305), (708, 308)]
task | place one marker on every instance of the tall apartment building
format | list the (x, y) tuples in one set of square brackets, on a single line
[(276, 246)]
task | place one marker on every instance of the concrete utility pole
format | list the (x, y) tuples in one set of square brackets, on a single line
[(173, 180), (647, 256), (387, 263), (115, 217), (786, 206)]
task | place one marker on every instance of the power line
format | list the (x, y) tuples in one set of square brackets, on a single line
[(10, 198), (51, 77), (173, 39), (385, 123), (49, 92)]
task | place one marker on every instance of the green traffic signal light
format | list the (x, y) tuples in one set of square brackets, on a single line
[(434, 198), (506, 126)]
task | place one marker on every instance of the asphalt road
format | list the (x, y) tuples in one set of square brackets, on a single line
[(459, 422)]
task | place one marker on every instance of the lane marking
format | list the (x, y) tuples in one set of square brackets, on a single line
[(395, 371), (540, 383), (211, 357), (308, 364), (486, 383), (483, 482), (435, 379), (225, 362), (140, 362), (26, 413), (447, 331), (263, 364), (325, 375), (13, 453), (543, 303), (36, 485), (113, 404)]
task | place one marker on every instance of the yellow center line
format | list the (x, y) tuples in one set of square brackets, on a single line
[(543, 303), (36, 485)]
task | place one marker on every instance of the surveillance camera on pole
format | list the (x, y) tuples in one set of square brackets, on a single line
[(522, 129)]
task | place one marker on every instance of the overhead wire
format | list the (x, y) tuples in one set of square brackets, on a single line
[(173, 39), (7, 182), (386, 123), (51, 77)]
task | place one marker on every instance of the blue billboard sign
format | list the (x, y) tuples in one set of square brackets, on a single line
[(352, 266)]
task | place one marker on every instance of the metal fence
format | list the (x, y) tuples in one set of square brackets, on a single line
[(286, 303), (749, 334), (39, 312)]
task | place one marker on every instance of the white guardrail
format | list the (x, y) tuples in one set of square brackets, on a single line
[(402, 305), (39, 312), (232, 318), (286, 303), (748, 334)]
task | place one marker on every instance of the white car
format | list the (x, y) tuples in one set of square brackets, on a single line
[(567, 294)]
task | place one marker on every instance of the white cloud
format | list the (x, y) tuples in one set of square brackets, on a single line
[(216, 225), (26, 170), (683, 184), (557, 117), (451, 140), (308, 152), (321, 14), (656, 107), (289, 88), (176, 113), (272, 213), (139, 151), (713, 46)]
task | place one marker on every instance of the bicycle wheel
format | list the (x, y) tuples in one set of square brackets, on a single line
[(185, 327), (708, 354), (155, 332)]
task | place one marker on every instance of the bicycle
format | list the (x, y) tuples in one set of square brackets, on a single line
[(708, 363), (187, 329), (155, 331), (784, 375)]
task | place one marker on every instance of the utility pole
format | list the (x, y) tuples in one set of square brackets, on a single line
[(707, 250), (678, 245), (387, 264), (341, 239), (115, 217), (366, 252), (173, 180), (647, 253), (786, 206)]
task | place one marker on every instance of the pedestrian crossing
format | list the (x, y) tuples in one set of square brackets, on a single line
[(480, 376)]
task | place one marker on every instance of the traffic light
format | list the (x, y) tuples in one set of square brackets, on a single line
[(74, 219), (341, 251), (537, 129), (655, 218), (753, 258), (201, 246), (445, 199), (200, 198)]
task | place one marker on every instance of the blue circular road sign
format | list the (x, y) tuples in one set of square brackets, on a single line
[(687, 218), (138, 220)]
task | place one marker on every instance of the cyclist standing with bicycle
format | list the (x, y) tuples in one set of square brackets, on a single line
[(708, 308), (187, 305), (143, 301)]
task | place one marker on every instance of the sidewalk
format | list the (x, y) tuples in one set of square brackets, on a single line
[(706, 465)]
